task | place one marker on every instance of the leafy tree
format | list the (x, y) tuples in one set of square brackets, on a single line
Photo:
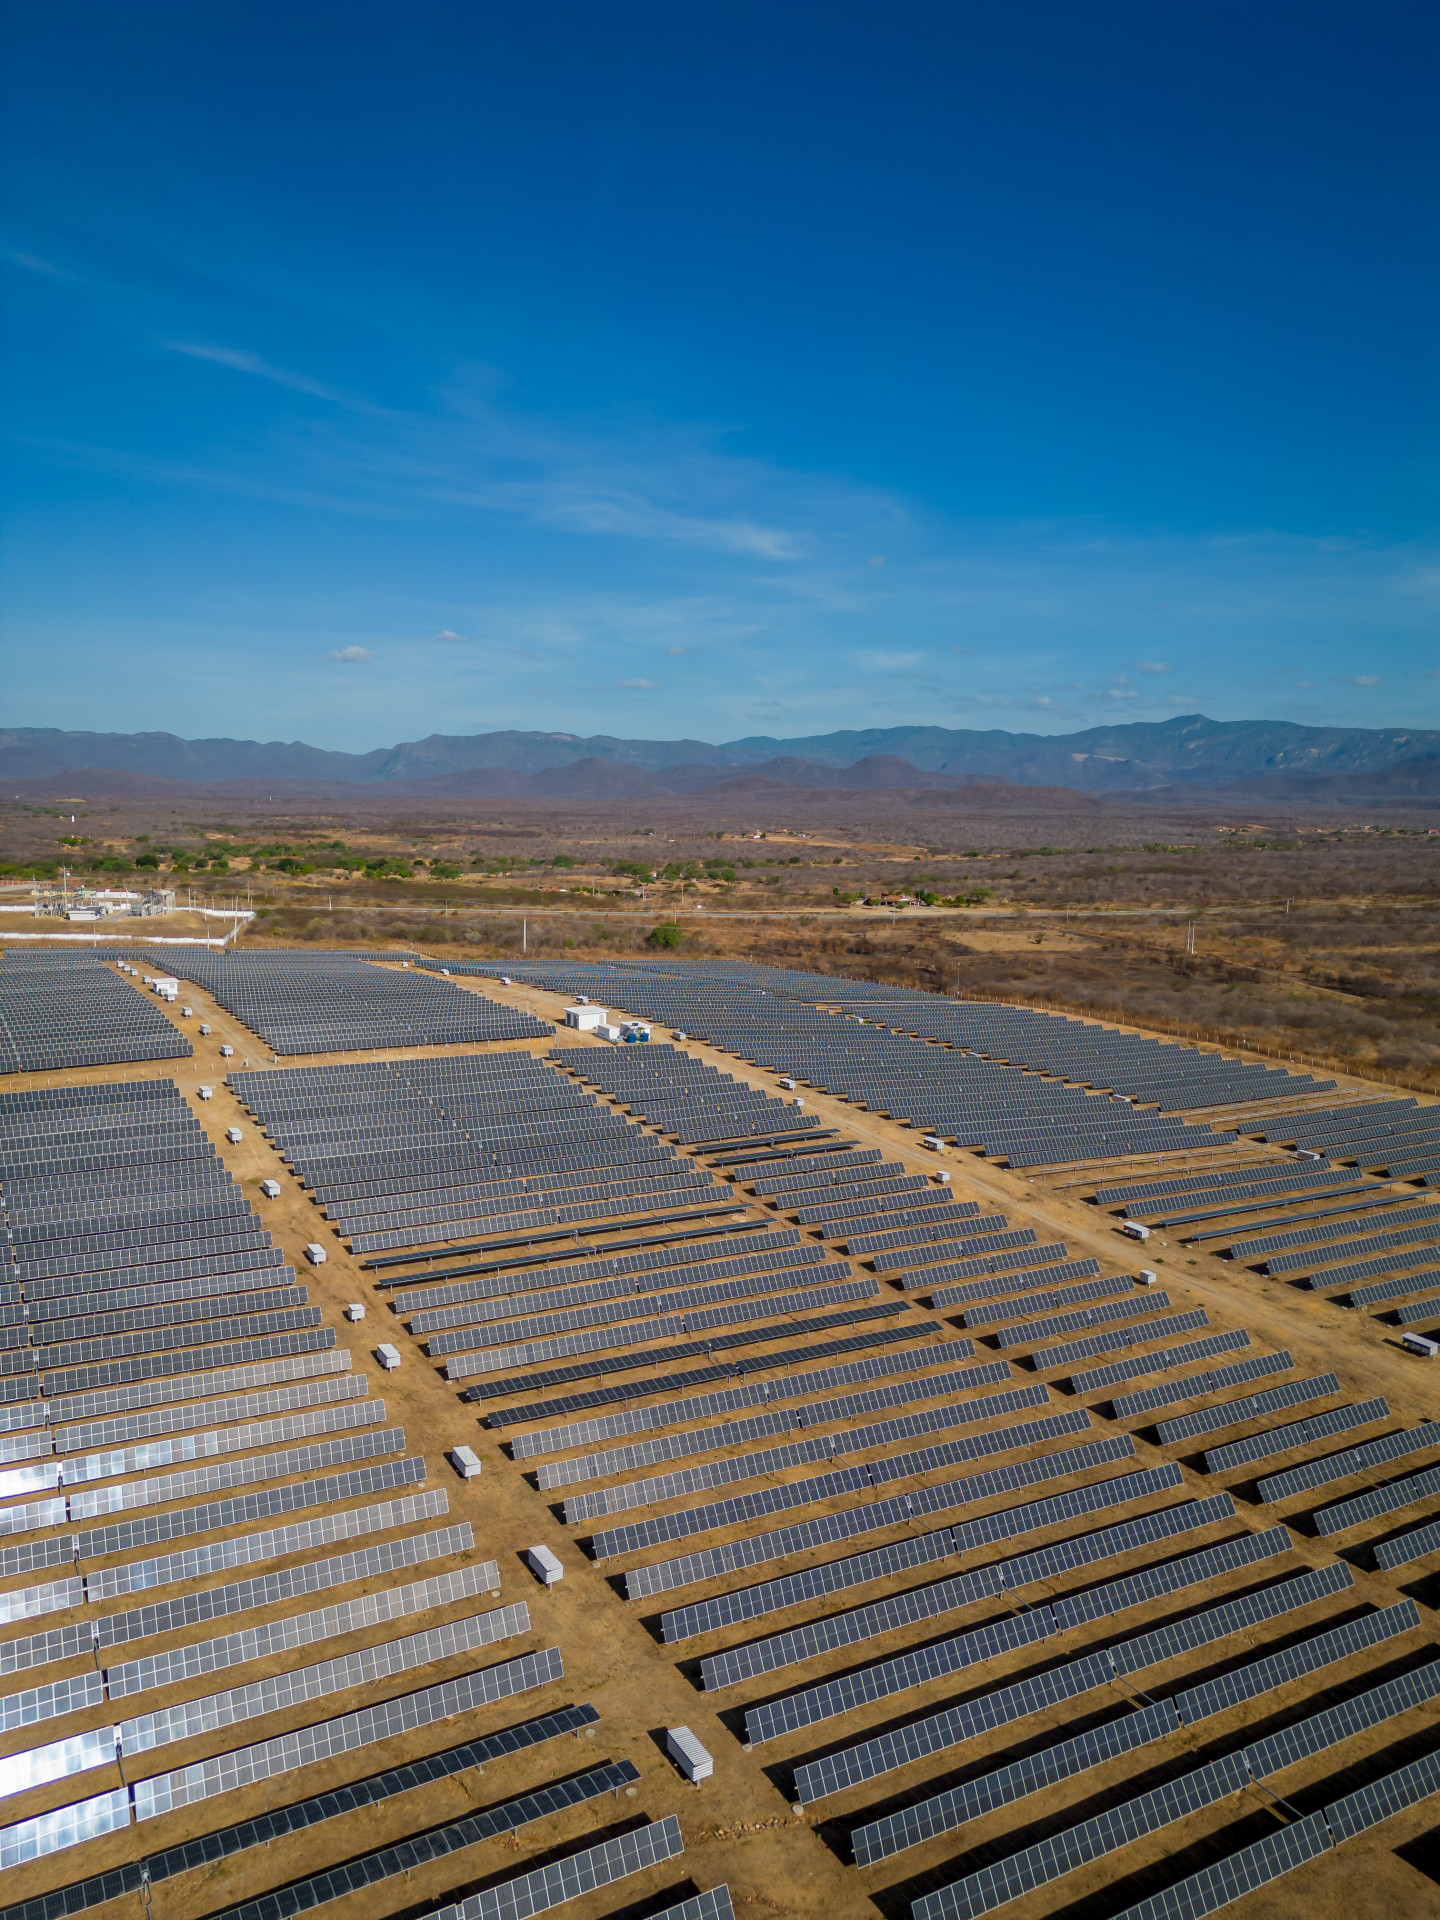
[(667, 934)]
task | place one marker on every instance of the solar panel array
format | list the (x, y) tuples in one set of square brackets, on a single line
[(688, 1521), (577, 1873), (991, 1581), (1004, 1786), (1340, 1466), (874, 1757), (318, 1002), (930, 1603), (1126, 1406), (117, 1209), (890, 1678), (1308, 1838), (583, 1508), (225, 1842), (680, 1446), (545, 1226), (900, 1510), (1379, 1500), (192, 1424), (1232, 1413), (61, 1010), (1037, 1866), (1299, 1433)]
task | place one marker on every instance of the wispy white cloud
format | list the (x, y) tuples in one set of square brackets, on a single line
[(353, 656), (1152, 666), (1365, 680), (239, 361), (642, 686), (446, 634)]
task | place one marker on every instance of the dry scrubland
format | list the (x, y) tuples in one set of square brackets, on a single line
[(1347, 976)]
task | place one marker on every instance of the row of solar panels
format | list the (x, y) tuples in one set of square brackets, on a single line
[(70, 1010)]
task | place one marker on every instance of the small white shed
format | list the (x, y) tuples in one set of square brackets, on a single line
[(688, 1754), (544, 1565)]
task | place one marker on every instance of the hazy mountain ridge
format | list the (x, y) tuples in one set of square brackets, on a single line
[(1132, 756)]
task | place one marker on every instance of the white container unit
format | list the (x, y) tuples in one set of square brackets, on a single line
[(355, 1310), (932, 1141), (187, 1013), (388, 1356), (270, 1189), (204, 1026), (234, 1136), (1421, 1344), (606, 1030), (585, 1017), (1133, 1230), (227, 1053), (688, 1754), (465, 1462), (206, 1093), (544, 1565), (1146, 1277), (315, 1254)]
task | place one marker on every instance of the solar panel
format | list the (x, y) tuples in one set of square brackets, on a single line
[(1339, 1466), (938, 1349), (51, 1701), (1036, 1302), (1148, 1399), (291, 1583), (245, 1549), (676, 1446), (928, 1603), (211, 1712), (223, 1843), (902, 1509), (630, 1361), (95, 1501), (1378, 1500), (98, 1542), (883, 1681), (1276, 1854), (643, 1493), (1065, 1355), (577, 1873), (244, 1766), (1061, 1853), (65, 1827), (1231, 1413), (869, 1759), (640, 1420), (1121, 1370), (1418, 1544), (1003, 1786), (524, 1342), (802, 1493), (304, 1630), (168, 1429), (834, 1576), (1298, 1433), (438, 1844)]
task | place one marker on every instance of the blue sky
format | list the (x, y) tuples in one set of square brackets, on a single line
[(719, 370)]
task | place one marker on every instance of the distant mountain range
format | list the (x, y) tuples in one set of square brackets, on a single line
[(1270, 758)]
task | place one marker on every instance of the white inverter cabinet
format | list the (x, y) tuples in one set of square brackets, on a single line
[(688, 1754)]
